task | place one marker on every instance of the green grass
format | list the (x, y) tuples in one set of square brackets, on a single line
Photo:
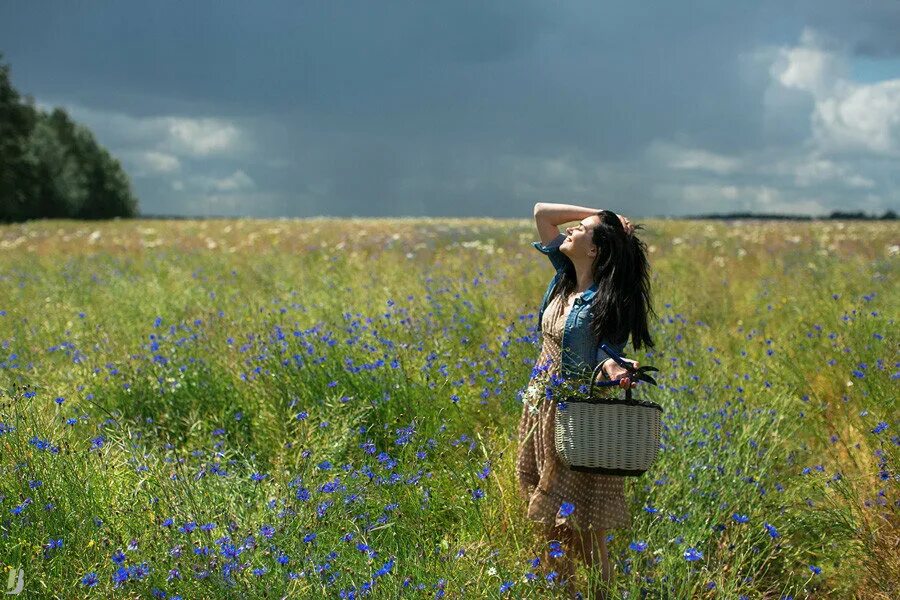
[(190, 356)]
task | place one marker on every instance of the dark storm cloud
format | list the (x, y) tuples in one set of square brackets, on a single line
[(873, 28), (463, 108)]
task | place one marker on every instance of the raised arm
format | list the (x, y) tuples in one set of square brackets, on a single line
[(548, 216)]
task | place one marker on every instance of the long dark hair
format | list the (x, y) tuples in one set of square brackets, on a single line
[(623, 303)]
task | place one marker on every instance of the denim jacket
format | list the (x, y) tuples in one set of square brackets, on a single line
[(580, 347)]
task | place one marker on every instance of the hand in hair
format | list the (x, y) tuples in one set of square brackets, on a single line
[(626, 224)]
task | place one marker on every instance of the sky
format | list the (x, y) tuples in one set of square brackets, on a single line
[(460, 109)]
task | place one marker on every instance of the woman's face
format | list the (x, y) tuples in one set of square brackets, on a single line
[(578, 242)]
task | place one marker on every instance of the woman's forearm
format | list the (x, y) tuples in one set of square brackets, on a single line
[(556, 214)]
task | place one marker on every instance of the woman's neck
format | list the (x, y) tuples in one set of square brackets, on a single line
[(584, 278)]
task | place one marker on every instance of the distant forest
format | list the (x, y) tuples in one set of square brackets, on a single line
[(836, 215), (51, 167)]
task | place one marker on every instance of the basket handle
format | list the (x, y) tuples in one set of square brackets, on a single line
[(613, 382), (610, 383)]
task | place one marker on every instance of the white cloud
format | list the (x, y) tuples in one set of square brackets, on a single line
[(155, 149), (847, 116), (812, 171), (861, 117), (157, 162), (809, 66), (181, 137), (708, 197), (201, 137), (234, 182), (683, 158)]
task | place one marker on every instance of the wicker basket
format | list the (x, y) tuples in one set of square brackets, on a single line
[(607, 436)]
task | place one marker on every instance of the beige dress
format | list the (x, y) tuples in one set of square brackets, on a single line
[(544, 482)]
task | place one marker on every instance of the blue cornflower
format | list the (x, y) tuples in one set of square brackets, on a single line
[(90, 579), (740, 518), (267, 531), (188, 527), (505, 587), (258, 476), (556, 550), (385, 569), (477, 494), (36, 441), (323, 507), (120, 576), (880, 427), (692, 554), (118, 557), (566, 509), (638, 546), (816, 570), (139, 571), (309, 537), (772, 531)]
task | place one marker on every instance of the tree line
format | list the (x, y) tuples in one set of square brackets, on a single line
[(889, 215), (52, 167)]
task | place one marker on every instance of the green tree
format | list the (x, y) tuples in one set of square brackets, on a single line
[(16, 175), (62, 185), (108, 188), (52, 167)]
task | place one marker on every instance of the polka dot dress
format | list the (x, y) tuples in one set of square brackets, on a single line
[(544, 482)]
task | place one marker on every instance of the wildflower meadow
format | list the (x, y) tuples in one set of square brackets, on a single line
[(327, 408)]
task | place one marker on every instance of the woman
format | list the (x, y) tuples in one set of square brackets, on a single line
[(599, 294)]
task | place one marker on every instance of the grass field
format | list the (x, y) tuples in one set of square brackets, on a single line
[(328, 408)]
